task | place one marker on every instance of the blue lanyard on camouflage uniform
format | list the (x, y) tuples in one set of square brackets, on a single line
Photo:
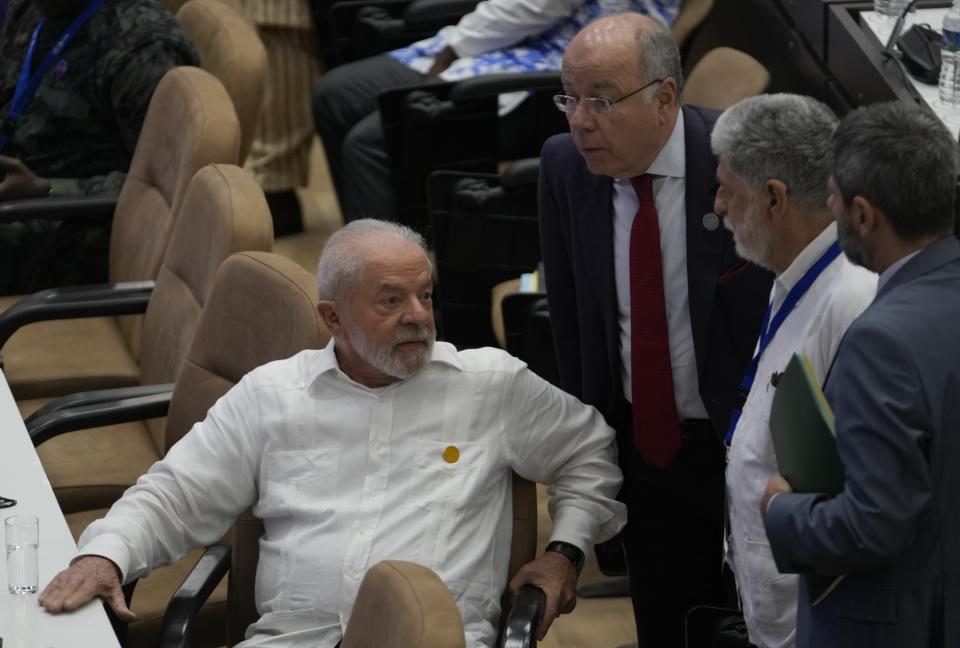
[(27, 85)]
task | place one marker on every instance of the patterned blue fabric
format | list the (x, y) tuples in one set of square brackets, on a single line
[(538, 53)]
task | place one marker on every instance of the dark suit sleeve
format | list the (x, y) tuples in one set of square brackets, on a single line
[(883, 428), (561, 289)]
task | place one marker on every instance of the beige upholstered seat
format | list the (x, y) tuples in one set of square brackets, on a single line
[(261, 308), (230, 49), (190, 123), (224, 211), (723, 77), (691, 15), (401, 605)]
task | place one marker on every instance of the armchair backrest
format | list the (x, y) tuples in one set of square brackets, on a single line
[(691, 15), (223, 212), (262, 308), (190, 123), (230, 49)]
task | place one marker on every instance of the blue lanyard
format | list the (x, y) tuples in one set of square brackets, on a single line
[(27, 84), (769, 329)]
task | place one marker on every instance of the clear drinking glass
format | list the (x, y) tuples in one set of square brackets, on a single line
[(23, 544), (889, 8)]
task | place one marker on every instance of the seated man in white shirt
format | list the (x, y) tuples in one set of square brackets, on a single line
[(775, 159), (381, 446)]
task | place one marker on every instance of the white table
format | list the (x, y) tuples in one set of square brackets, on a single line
[(23, 623), (881, 27)]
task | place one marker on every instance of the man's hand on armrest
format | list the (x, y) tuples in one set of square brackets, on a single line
[(443, 60), (87, 578), (556, 575), (18, 181)]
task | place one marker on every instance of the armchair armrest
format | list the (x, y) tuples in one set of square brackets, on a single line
[(521, 627), (101, 413), (97, 396), (59, 209), (191, 595), (521, 173), (125, 298), (431, 15), (495, 84)]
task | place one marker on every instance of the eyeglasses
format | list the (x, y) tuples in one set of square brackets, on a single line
[(595, 105), (6, 502)]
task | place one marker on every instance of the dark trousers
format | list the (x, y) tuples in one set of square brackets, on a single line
[(345, 116), (674, 534)]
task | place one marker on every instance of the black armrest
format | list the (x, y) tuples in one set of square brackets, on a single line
[(97, 396), (521, 173), (431, 15), (494, 84), (191, 595), (521, 627), (516, 308), (97, 414), (125, 298), (59, 209)]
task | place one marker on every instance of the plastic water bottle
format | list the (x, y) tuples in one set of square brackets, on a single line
[(949, 70)]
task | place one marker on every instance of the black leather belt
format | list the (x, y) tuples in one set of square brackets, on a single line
[(697, 429)]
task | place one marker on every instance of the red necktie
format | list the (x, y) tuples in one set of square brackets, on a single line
[(656, 428)]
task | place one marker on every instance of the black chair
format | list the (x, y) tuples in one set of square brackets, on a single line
[(484, 231), (454, 127), (355, 29)]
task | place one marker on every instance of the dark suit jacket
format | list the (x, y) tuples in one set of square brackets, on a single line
[(895, 528), (727, 295)]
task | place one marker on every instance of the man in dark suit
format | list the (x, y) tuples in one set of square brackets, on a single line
[(654, 315), (894, 530)]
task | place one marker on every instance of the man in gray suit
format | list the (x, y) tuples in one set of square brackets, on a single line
[(894, 530)]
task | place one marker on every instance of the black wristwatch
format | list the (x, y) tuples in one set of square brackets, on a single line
[(572, 553)]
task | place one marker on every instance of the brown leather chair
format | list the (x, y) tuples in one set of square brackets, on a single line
[(241, 561), (223, 212), (261, 308), (190, 123), (230, 49)]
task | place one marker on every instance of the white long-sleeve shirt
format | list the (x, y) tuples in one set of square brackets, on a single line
[(344, 476), (814, 327)]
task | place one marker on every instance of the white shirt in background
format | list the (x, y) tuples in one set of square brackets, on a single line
[(814, 327), (344, 476)]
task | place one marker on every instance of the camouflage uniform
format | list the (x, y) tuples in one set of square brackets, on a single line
[(80, 128)]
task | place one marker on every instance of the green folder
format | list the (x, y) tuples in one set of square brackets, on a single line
[(802, 427)]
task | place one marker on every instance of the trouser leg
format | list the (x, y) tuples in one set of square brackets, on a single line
[(674, 538), (345, 96)]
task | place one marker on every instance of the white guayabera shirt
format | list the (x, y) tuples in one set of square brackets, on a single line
[(345, 476), (814, 327)]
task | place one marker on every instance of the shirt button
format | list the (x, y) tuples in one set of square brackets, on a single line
[(302, 385), (378, 446)]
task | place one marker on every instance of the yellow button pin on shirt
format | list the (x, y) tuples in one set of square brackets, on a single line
[(451, 454)]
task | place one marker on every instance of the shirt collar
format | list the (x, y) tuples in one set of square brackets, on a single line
[(326, 360), (892, 269), (671, 160), (787, 279)]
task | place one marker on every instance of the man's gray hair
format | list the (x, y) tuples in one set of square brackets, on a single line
[(903, 159), (341, 261), (786, 137), (659, 58)]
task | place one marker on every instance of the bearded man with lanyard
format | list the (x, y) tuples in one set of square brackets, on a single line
[(775, 159), (76, 77)]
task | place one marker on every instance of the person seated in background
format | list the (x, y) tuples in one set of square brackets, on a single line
[(894, 387), (76, 77), (383, 445), (497, 36), (775, 159)]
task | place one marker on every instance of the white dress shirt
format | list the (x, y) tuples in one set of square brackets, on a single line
[(670, 198), (814, 327), (344, 476)]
